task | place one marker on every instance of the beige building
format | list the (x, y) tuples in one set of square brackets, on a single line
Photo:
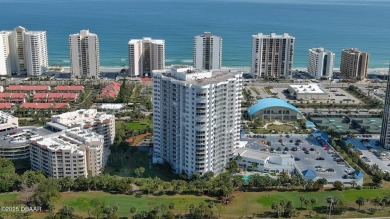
[(90, 119), (354, 63), (272, 55), (8, 121), (146, 55), (74, 152)]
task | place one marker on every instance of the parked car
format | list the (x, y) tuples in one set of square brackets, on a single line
[(307, 152), (312, 149), (297, 159), (320, 158)]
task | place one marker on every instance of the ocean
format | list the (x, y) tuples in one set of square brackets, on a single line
[(363, 24)]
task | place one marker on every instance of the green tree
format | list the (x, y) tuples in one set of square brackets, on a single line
[(313, 201), (46, 193), (306, 201), (66, 212), (338, 185), (98, 207), (302, 199), (360, 201)]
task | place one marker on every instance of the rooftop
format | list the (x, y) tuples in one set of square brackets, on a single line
[(27, 88), (76, 140), (308, 89), (4, 117), (255, 154), (268, 103), (198, 77), (69, 88), (273, 35), (21, 135)]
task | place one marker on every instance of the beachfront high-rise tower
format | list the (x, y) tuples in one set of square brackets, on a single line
[(25, 51), (84, 55), (5, 56), (354, 63), (146, 55), (196, 118), (385, 132), (320, 64), (207, 51), (272, 55), (36, 58)]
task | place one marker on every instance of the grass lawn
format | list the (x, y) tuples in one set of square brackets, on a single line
[(139, 125), (125, 202), (244, 203), (281, 128), (136, 125), (8, 197)]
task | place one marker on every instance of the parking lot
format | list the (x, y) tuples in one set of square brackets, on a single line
[(369, 149), (309, 153)]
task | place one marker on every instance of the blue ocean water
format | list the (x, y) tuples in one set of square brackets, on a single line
[(332, 24)]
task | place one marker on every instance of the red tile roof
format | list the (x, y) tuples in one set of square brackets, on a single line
[(5, 95), (5, 105), (18, 95), (55, 95), (44, 105), (69, 88), (70, 95), (27, 88), (61, 105), (13, 95), (40, 95), (146, 79), (110, 91), (36, 105)]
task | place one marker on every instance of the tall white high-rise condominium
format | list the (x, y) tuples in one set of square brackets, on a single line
[(27, 51), (196, 119), (272, 55), (5, 55), (385, 131), (146, 55), (207, 51), (36, 53), (84, 54), (320, 64)]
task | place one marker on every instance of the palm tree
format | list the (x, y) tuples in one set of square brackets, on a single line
[(360, 201), (307, 201), (313, 201), (302, 199)]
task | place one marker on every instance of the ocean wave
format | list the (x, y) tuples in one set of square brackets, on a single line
[(66, 61), (170, 60), (123, 60), (186, 60)]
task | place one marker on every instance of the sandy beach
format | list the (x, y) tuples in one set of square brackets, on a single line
[(237, 68)]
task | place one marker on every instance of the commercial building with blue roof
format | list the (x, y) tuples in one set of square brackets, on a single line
[(274, 109)]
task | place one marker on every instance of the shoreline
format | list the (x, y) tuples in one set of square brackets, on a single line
[(66, 69)]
